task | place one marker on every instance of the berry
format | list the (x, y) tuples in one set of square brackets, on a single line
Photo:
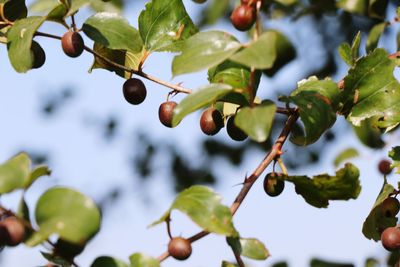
[(199, 1), (384, 167), (134, 91), (390, 238), (390, 207), (165, 113), (67, 249), (243, 17), (72, 44), (233, 131), (12, 231), (179, 248), (38, 54), (273, 186), (211, 121)]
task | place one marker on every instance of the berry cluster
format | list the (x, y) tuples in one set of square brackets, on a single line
[(390, 237)]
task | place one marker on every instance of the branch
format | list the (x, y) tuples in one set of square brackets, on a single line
[(238, 258), (249, 181)]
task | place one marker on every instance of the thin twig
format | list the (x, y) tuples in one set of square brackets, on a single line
[(238, 258)]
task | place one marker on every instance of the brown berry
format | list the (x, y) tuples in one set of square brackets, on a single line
[(165, 113), (390, 207), (180, 248), (390, 238), (72, 44), (273, 185), (384, 167), (243, 17), (134, 91), (38, 54), (233, 131), (12, 231), (211, 121)]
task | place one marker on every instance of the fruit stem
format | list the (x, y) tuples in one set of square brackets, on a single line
[(282, 166), (238, 258)]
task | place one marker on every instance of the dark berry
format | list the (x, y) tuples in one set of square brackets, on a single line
[(12, 231), (273, 185), (233, 131), (199, 1), (165, 113), (211, 121), (134, 91), (384, 167), (390, 207), (72, 44), (179, 248), (38, 54), (390, 238), (243, 17), (67, 249)]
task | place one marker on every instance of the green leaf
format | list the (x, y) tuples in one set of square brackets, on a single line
[(113, 31), (201, 98), (124, 58), (76, 5), (374, 35), (23, 210), (323, 263), (14, 173), (317, 103), (256, 121), (249, 247), (164, 25), (394, 154), (369, 134), (204, 207), (20, 40), (345, 155), (237, 76), (260, 54), (36, 173), (375, 222), (68, 213), (345, 53), (354, 6), (355, 46), (113, 6), (141, 260), (377, 8), (204, 50), (105, 261), (317, 191), (285, 52), (371, 262), (370, 90), (56, 259), (280, 264), (228, 264)]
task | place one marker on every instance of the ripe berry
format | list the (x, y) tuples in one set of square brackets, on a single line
[(180, 248), (273, 186), (384, 167), (243, 17), (72, 44), (211, 121), (390, 238), (199, 1), (390, 207), (38, 54), (233, 131), (12, 231), (134, 91), (165, 113)]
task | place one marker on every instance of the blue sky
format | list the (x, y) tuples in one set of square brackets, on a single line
[(81, 159)]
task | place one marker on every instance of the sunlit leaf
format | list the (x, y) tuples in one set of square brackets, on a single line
[(204, 207)]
